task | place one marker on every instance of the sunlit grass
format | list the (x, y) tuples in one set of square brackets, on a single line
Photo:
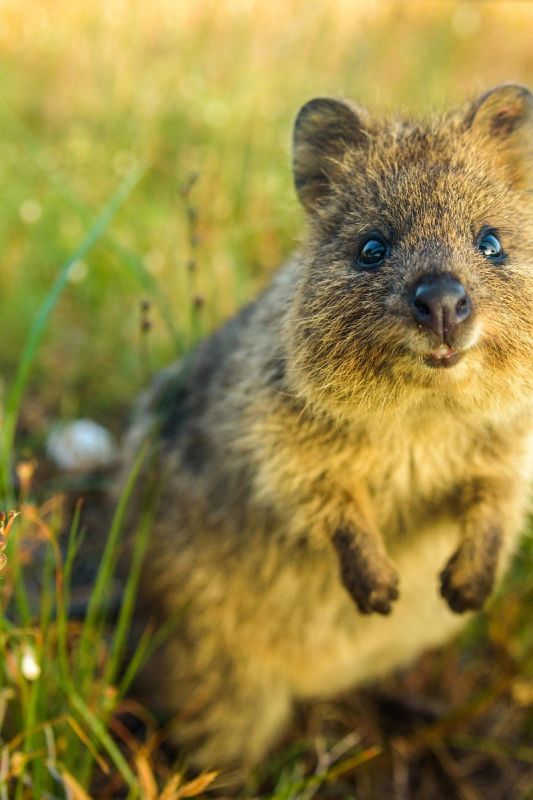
[(59, 679)]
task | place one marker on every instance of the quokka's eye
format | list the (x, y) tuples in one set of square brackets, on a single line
[(490, 246), (372, 253)]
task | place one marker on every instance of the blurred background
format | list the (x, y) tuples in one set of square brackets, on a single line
[(201, 97), (194, 101)]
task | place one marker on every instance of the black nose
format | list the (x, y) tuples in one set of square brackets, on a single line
[(440, 303)]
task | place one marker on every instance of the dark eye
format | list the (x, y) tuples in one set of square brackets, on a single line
[(372, 253), (489, 246)]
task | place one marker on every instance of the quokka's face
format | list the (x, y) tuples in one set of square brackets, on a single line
[(419, 267)]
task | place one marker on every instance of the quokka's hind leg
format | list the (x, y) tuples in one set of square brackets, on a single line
[(237, 728), (226, 713)]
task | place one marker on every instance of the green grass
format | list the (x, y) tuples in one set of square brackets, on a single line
[(145, 157)]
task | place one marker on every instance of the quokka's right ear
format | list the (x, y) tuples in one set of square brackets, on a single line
[(324, 130), (504, 116)]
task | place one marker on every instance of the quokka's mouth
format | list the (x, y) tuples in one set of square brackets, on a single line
[(443, 357)]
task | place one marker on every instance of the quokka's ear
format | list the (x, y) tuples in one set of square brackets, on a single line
[(324, 130), (505, 116)]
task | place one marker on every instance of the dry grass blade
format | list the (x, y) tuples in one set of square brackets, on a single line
[(192, 788), (14, 743), (147, 781), (354, 761), (82, 736), (171, 788), (74, 790)]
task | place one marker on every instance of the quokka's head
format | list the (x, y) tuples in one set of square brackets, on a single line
[(417, 274)]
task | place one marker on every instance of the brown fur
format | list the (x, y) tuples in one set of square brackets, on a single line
[(308, 456)]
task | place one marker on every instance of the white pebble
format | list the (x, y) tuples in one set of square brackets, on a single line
[(81, 446)]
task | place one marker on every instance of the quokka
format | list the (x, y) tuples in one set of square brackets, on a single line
[(343, 469)]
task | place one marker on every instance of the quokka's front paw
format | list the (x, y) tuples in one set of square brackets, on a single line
[(464, 585), (377, 590), (367, 574)]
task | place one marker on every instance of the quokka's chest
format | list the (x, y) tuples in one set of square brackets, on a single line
[(409, 465), (413, 469)]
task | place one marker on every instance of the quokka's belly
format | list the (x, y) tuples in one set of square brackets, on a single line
[(341, 647)]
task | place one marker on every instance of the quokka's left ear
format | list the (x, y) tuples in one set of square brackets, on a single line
[(325, 129), (504, 115)]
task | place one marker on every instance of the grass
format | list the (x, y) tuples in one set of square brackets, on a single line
[(147, 194)]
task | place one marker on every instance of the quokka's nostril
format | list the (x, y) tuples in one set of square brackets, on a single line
[(462, 309), (423, 309)]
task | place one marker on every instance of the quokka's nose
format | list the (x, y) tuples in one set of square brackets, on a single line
[(440, 303)]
